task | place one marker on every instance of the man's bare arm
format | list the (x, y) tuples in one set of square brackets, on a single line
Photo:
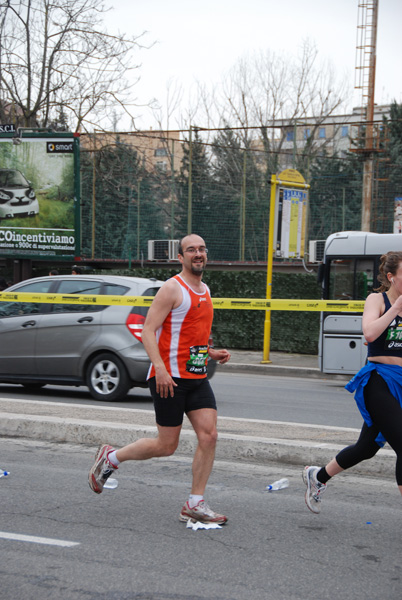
[(167, 298)]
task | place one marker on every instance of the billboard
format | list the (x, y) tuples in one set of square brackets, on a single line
[(290, 215), (398, 215), (39, 195)]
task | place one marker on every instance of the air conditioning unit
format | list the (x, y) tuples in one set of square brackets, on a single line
[(163, 249), (316, 250)]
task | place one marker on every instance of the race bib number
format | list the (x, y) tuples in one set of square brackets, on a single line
[(197, 363), (394, 335)]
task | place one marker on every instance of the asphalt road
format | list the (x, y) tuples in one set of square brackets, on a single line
[(129, 544), (272, 398)]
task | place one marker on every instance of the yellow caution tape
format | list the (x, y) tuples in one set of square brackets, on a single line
[(226, 303), (274, 304), (76, 299)]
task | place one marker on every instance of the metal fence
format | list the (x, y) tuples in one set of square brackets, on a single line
[(221, 192)]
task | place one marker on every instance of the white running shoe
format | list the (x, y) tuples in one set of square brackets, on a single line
[(201, 512), (315, 489), (101, 470)]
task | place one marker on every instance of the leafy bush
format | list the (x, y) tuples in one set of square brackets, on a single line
[(291, 331)]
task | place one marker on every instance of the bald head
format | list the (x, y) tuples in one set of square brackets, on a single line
[(191, 239)]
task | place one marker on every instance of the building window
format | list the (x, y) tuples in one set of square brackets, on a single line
[(344, 131), (321, 133), (306, 133), (161, 165), (161, 152), (290, 135)]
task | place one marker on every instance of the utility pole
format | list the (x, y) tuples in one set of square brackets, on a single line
[(190, 185), (366, 50)]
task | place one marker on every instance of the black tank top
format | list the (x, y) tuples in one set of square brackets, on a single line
[(389, 343)]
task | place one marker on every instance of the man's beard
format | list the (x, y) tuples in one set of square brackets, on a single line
[(198, 268)]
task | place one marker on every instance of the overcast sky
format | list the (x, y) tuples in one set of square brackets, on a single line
[(202, 40)]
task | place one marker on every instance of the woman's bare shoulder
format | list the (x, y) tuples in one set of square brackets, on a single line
[(374, 302), (375, 298)]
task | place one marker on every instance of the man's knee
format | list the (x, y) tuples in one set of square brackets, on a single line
[(208, 438), (167, 441), (167, 448)]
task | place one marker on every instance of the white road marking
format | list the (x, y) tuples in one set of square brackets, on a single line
[(86, 406), (36, 540)]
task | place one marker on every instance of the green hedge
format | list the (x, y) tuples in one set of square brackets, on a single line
[(290, 331)]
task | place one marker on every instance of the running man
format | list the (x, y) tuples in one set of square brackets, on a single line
[(175, 335)]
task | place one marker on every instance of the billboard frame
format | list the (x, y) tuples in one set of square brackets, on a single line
[(62, 141), (292, 180)]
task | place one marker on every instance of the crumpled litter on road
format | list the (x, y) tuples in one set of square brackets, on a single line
[(194, 525)]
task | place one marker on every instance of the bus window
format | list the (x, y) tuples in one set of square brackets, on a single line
[(364, 278), (351, 278), (341, 279)]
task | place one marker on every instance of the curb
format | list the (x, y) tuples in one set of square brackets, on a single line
[(249, 449), (281, 370)]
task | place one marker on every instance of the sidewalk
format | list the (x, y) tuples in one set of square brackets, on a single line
[(247, 440), (282, 363)]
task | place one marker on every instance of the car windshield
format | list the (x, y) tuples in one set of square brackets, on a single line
[(12, 178)]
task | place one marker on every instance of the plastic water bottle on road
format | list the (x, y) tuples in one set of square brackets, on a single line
[(278, 485), (110, 484), (4, 473)]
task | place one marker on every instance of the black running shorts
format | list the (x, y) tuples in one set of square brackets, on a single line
[(190, 394)]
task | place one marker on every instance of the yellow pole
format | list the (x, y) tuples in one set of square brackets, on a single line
[(270, 257)]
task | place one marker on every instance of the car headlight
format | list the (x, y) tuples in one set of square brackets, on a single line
[(31, 194), (4, 197)]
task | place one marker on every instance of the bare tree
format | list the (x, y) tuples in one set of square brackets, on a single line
[(56, 56), (164, 111), (265, 94)]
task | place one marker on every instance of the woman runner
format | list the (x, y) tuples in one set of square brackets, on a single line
[(377, 386)]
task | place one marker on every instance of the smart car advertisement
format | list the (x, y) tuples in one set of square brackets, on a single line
[(39, 190)]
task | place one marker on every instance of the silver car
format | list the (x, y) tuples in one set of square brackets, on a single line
[(17, 198), (77, 344)]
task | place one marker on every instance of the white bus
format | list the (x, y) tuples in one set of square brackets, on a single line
[(349, 272)]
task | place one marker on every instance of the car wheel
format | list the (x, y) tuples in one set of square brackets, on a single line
[(107, 378)]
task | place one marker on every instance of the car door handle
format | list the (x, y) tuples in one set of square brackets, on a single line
[(85, 320), (29, 324)]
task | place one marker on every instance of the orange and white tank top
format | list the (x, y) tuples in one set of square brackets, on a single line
[(183, 337)]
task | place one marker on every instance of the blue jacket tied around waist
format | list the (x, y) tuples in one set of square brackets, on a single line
[(392, 375)]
